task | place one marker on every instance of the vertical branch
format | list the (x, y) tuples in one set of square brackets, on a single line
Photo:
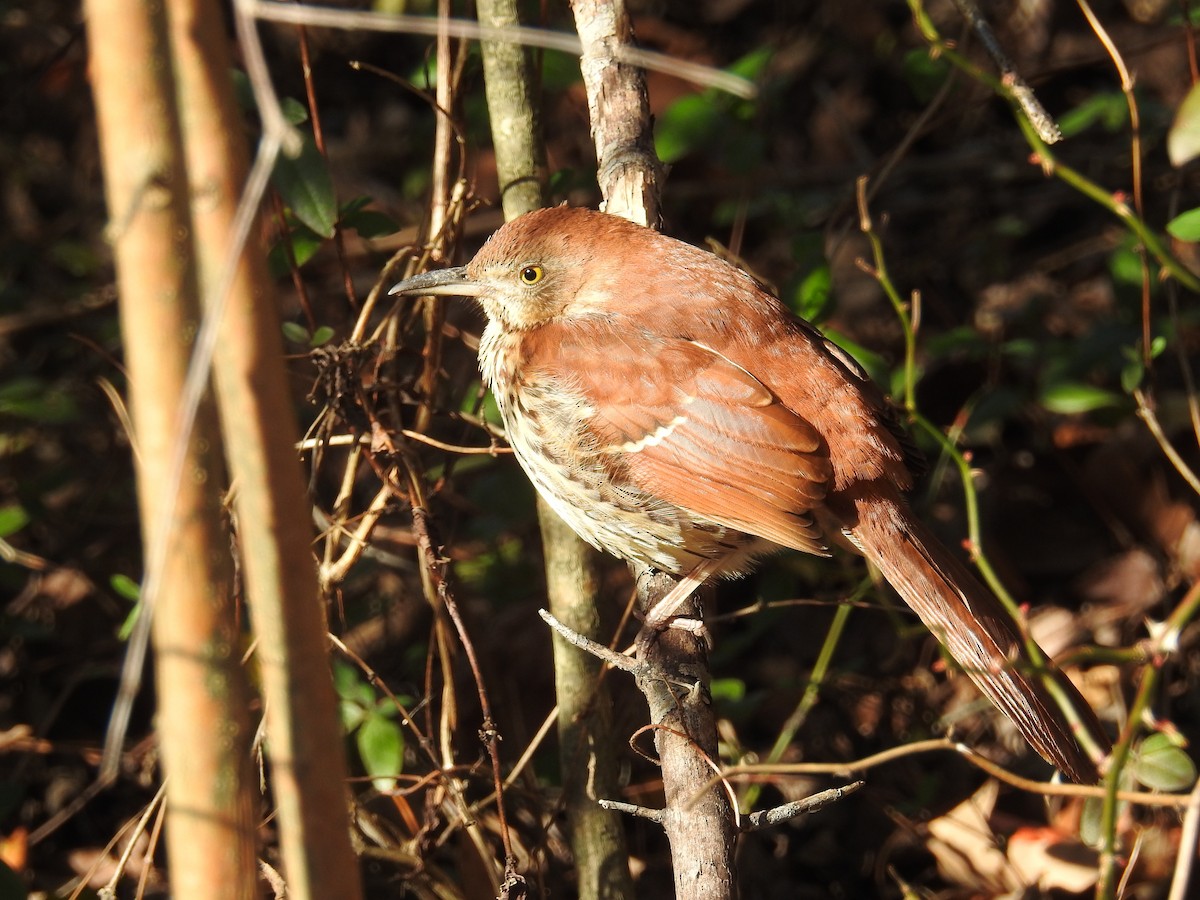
[(516, 125), (308, 768), (202, 720), (434, 309), (588, 749), (628, 170), (698, 819), (587, 741)]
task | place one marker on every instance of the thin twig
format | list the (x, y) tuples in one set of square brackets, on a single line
[(1135, 154), (139, 828), (314, 114), (917, 748), (1021, 91), (601, 652), (347, 440), (1185, 856), (1146, 413), (705, 76), (780, 814), (488, 733)]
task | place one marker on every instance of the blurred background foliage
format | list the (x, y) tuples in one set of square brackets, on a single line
[(1031, 317)]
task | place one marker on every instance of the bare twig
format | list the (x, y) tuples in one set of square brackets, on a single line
[(489, 735), (780, 814), (1022, 93), (601, 652), (1146, 414), (916, 748), (706, 76), (1189, 837), (1135, 141)]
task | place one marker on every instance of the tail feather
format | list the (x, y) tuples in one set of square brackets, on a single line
[(948, 599)]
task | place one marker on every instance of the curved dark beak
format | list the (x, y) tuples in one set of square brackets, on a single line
[(453, 282)]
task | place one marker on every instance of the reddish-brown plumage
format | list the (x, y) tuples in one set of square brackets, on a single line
[(674, 413)]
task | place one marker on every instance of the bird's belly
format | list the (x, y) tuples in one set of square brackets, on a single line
[(615, 517)]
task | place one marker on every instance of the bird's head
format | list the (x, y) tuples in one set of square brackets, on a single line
[(536, 269)]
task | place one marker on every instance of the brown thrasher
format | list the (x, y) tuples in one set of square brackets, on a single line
[(674, 413)]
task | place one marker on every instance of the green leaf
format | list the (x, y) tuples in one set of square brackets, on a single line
[(305, 244), (12, 519), (559, 70), (813, 295), (1186, 226), (126, 587), (354, 204), (33, 399), (306, 187), (295, 332), (1109, 109), (752, 65), (346, 679), (897, 379), (1162, 766), (320, 336), (732, 690), (1091, 830), (126, 627), (425, 76), (1183, 140), (352, 687), (381, 746), (924, 73), (1133, 371), (1020, 348), (684, 125), (1125, 264), (1068, 398), (242, 91), (293, 110), (490, 412), (370, 223), (353, 714)]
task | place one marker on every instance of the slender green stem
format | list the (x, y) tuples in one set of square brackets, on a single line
[(904, 312), (812, 691), (1106, 886)]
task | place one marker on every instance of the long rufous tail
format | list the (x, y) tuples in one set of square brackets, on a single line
[(977, 630)]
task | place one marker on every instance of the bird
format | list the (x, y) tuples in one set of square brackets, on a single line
[(676, 414)]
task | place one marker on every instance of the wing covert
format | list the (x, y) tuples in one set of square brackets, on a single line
[(699, 431)]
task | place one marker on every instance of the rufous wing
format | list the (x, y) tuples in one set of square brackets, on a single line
[(699, 431)]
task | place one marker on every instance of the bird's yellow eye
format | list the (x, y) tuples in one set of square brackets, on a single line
[(532, 274)]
